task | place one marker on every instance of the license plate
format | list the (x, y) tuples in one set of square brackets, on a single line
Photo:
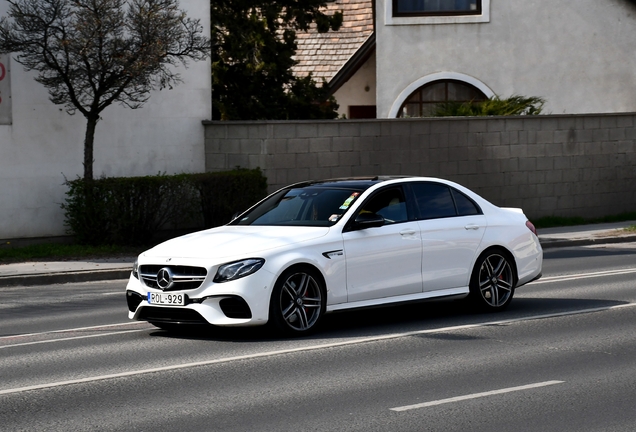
[(166, 299)]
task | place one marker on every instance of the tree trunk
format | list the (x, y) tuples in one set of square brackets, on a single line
[(89, 138)]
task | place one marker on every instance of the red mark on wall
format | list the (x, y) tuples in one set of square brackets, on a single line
[(3, 73)]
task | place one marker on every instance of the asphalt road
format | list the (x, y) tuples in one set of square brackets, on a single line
[(561, 358)]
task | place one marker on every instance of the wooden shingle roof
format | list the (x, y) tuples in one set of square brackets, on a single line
[(325, 54)]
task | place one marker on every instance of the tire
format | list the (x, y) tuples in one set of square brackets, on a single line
[(298, 301), (492, 284)]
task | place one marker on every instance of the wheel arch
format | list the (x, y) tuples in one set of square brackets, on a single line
[(279, 263), (301, 265), (275, 319), (509, 255)]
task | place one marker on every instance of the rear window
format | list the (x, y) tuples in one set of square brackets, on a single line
[(465, 206)]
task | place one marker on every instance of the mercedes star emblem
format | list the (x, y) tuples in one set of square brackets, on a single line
[(164, 278)]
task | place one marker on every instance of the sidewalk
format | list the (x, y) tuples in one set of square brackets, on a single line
[(52, 272), (583, 235)]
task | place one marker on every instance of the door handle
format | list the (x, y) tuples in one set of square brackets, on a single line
[(472, 227), (407, 233)]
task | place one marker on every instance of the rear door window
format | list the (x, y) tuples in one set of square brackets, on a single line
[(434, 200), (437, 200)]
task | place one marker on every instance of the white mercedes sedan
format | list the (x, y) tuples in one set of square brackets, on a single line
[(322, 246)]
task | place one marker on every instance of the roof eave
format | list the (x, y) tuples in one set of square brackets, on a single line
[(353, 64)]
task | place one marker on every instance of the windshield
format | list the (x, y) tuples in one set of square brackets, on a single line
[(308, 206)]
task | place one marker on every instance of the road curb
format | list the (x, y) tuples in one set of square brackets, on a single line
[(64, 277), (556, 243)]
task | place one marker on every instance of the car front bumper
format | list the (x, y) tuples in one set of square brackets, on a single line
[(243, 302)]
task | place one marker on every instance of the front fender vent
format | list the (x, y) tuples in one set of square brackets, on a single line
[(133, 299), (235, 307)]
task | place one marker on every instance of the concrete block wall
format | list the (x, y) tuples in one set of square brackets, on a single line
[(556, 165)]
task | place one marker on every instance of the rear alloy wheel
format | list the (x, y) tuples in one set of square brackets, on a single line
[(493, 281), (298, 301)]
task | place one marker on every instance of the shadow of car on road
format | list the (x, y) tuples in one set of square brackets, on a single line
[(407, 318)]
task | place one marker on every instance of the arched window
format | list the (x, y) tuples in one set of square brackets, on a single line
[(423, 101)]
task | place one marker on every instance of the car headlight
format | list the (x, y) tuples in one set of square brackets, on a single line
[(135, 270), (238, 269)]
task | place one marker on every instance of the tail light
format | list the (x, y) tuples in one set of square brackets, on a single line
[(531, 227)]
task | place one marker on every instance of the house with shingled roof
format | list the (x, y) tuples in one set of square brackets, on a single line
[(398, 58), (344, 59)]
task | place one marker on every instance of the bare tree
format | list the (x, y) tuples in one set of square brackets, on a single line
[(92, 53)]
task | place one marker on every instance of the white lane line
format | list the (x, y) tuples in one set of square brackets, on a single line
[(71, 338), (303, 349), (542, 280), (71, 330), (476, 395), (570, 277)]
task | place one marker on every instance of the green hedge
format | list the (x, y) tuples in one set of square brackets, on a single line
[(130, 211), (224, 194), (513, 106)]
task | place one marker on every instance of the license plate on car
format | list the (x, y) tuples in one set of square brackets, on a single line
[(166, 299)]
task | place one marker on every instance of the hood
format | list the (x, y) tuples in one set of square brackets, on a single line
[(232, 241)]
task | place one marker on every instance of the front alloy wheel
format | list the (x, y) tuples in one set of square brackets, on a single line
[(298, 301), (492, 283)]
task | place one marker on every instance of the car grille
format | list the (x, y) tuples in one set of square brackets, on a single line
[(170, 315), (184, 277)]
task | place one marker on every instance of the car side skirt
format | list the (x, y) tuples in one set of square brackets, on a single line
[(452, 292)]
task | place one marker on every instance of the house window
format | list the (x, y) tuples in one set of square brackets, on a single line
[(436, 7), (362, 112), (423, 101)]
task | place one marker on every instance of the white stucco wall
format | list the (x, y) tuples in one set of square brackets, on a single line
[(360, 89), (44, 144), (578, 55)]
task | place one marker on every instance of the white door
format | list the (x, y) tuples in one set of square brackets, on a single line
[(451, 226), (384, 261), (449, 246)]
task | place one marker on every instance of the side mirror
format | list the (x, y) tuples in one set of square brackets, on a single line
[(368, 220)]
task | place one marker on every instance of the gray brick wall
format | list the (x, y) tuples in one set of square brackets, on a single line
[(557, 165)]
